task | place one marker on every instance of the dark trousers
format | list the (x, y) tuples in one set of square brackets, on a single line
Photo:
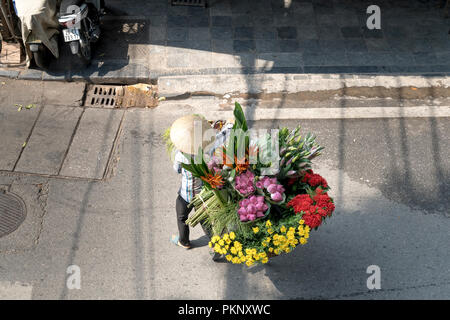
[(182, 215)]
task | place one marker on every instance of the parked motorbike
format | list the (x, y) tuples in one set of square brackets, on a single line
[(80, 20)]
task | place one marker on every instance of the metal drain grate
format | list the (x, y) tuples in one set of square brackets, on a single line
[(12, 213), (197, 3), (102, 96)]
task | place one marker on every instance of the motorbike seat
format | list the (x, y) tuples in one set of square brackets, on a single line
[(65, 4)]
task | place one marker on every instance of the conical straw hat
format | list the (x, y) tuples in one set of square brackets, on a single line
[(188, 133)]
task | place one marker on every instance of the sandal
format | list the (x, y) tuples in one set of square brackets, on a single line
[(175, 240)]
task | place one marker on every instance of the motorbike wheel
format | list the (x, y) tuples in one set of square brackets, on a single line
[(42, 57), (85, 52)]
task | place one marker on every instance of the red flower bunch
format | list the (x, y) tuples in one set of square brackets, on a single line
[(313, 208), (314, 179)]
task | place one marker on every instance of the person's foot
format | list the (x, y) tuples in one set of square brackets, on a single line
[(176, 240)]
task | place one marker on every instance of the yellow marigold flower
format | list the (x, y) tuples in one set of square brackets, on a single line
[(255, 230), (248, 251), (228, 257), (275, 236), (217, 248), (249, 263), (301, 221), (283, 229), (265, 260), (306, 235), (291, 229), (264, 244), (243, 258), (232, 235), (210, 244), (253, 251), (236, 260), (270, 231), (307, 229), (277, 251), (287, 250), (215, 239), (221, 242), (303, 241), (233, 250), (268, 239), (270, 249), (227, 247), (240, 254)]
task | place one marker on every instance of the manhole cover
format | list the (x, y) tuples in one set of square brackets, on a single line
[(102, 96), (12, 213)]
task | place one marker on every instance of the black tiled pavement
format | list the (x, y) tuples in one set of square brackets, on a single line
[(309, 36)]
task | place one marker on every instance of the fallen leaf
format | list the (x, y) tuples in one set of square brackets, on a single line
[(414, 88), (30, 106), (24, 144)]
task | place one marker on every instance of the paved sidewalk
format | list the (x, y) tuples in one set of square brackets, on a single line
[(149, 39), (45, 131)]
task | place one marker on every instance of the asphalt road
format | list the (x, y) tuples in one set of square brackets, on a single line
[(389, 179)]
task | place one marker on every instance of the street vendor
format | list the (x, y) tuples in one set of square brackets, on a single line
[(182, 136)]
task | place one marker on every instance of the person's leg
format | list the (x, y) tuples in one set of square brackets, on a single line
[(182, 215)]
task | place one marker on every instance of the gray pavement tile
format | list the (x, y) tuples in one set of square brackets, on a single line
[(286, 19), (308, 32), (375, 45), (425, 58), (221, 8), (158, 21), (242, 20), (358, 45), (332, 45), (92, 144), (264, 46), (283, 59), (325, 59), (403, 58), (15, 128), (178, 61), (30, 74), (63, 93), (177, 10), (158, 33), (352, 32), (310, 45), (244, 46), (9, 73), (200, 60), (324, 7), (287, 32), (244, 33), (199, 34), (177, 21), (265, 32), (221, 21), (329, 32), (262, 20), (177, 34), (222, 33), (196, 11), (289, 45), (222, 46), (47, 146), (372, 34), (157, 47), (199, 21), (204, 45)]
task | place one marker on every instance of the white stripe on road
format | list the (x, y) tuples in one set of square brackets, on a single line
[(15, 291)]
